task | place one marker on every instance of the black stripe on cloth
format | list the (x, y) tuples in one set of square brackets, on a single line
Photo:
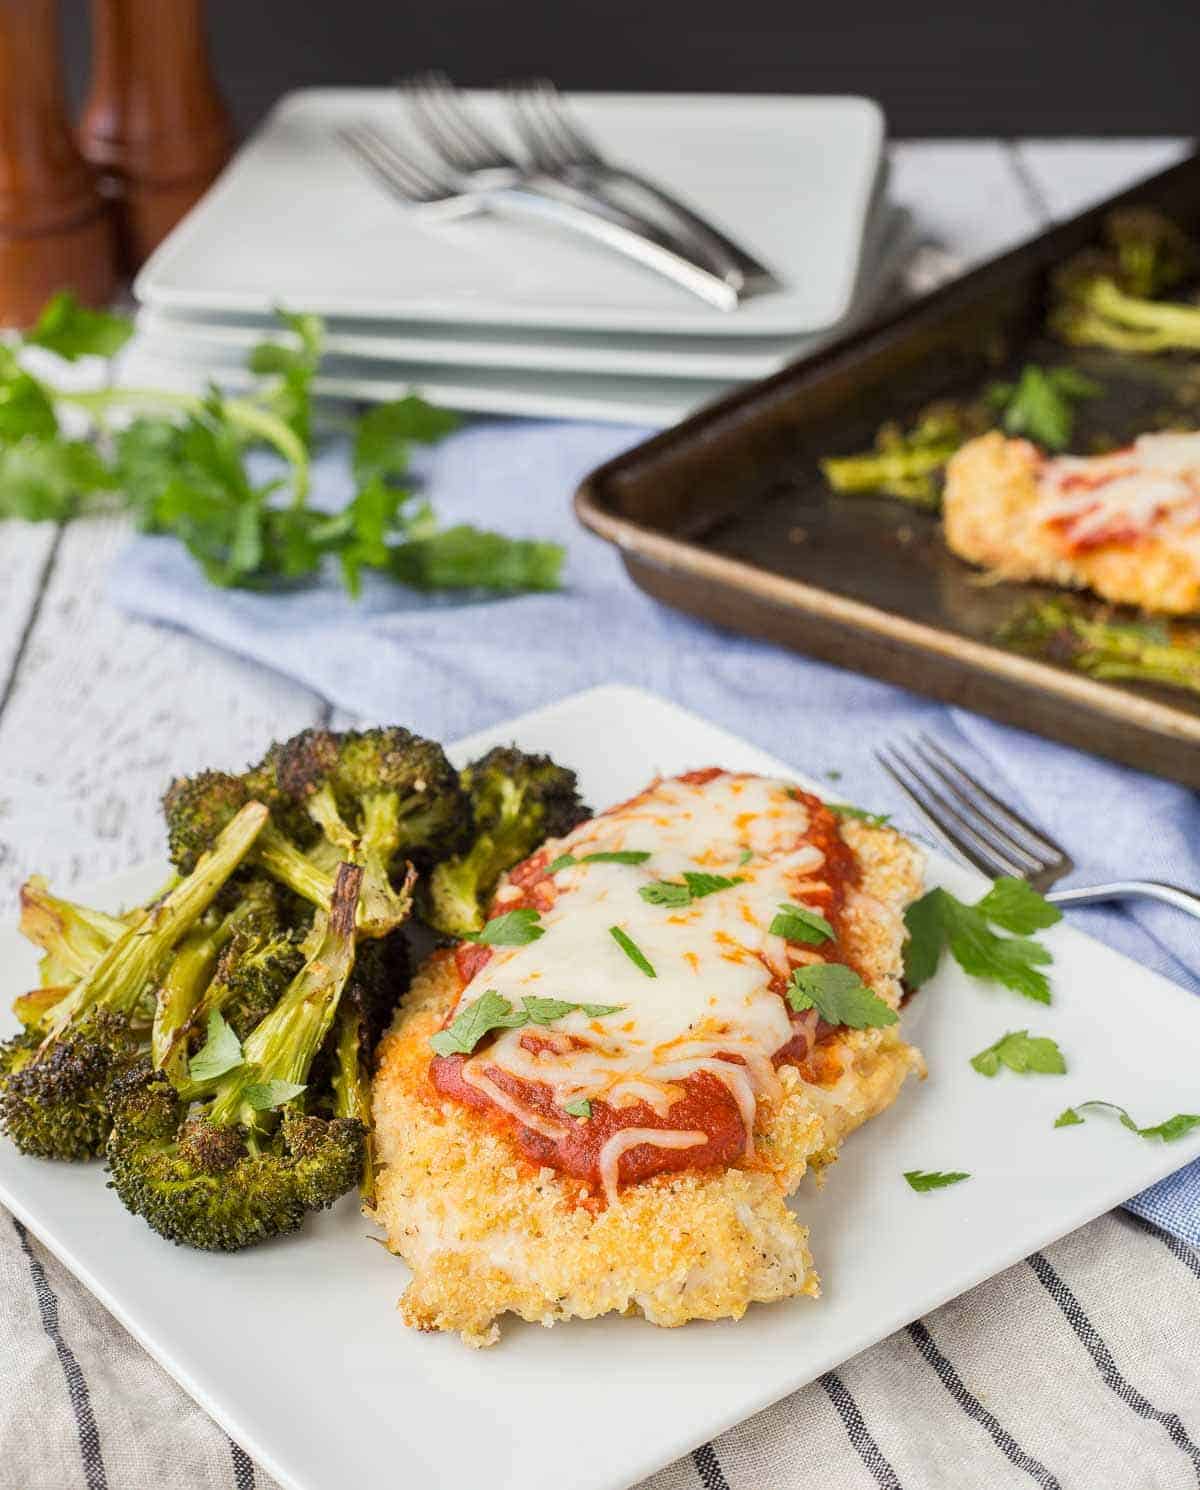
[(708, 1467), (975, 1410), (859, 1434), (94, 1474), (1184, 1251), (243, 1467), (1093, 1343)]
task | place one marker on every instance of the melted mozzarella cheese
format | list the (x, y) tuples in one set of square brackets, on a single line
[(1153, 488), (713, 959)]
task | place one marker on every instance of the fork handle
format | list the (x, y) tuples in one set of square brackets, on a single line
[(553, 200), (1183, 900), (728, 258)]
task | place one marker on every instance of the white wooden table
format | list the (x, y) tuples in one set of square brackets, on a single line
[(98, 712)]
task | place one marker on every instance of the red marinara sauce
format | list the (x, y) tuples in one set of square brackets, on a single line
[(705, 1104)]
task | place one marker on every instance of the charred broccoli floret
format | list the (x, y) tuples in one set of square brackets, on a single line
[(220, 1189), (234, 1172), (378, 796), (1106, 297), (1142, 652), (52, 1100), (908, 463), (517, 802)]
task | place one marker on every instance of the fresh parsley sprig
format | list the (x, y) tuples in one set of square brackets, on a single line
[(1021, 1052), (1177, 1126), (796, 923), (491, 1011), (179, 468), (511, 929), (839, 996), (847, 809), (696, 885), (603, 856), (632, 951), (939, 919), (1041, 403)]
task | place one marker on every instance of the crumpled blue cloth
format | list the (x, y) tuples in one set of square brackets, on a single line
[(448, 666)]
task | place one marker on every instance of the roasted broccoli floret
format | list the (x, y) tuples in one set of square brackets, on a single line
[(233, 1172), (1106, 297), (908, 463), (379, 797), (517, 802), (1143, 652), (52, 1100), (351, 1082), (219, 1188)]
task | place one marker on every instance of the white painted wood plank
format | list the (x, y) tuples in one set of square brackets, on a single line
[(1072, 174), (24, 551), (104, 711), (966, 196)]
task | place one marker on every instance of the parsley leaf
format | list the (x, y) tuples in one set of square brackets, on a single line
[(294, 368), (221, 1051), (1022, 1052), (796, 923), (1040, 404), (872, 819), (546, 1011), (839, 995), (696, 885), (665, 892), (607, 856), (939, 919), (1177, 1126), (483, 1015), (512, 929), (263, 1096), (385, 433), (934, 1179), (43, 480), (564, 861), (632, 951), (464, 557), (745, 856), (71, 330), (581, 1109)]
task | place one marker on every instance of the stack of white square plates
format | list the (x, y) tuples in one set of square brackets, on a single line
[(488, 315)]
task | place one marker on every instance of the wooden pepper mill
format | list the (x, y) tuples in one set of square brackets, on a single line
[(55, 228), (154, 122)]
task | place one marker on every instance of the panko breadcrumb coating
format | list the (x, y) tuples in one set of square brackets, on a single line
[(998, 512), (486, 1232)]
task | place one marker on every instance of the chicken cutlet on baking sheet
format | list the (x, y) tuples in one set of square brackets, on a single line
[(674, 1013)]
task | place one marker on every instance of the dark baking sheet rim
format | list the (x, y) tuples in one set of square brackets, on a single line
[(652, 555)]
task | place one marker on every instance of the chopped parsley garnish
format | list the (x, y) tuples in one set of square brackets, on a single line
[(934, 1179), (264, 1096), (1178, 1126), (491, 1011), (1021, 1052), (615, 856), (940, 919), (581, 1109), (1041, 403), (512, 929), (839, 996), (847, 809), (745, 856), (695, 887), (632, 951), (796, 923), (221, 1051)]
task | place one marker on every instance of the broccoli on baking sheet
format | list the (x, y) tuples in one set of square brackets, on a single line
[(517, 801), (1103, 647), (1111, 297), (908, 463)]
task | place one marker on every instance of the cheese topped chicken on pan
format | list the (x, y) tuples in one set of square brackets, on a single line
[(672, 1014), (1126, 524)]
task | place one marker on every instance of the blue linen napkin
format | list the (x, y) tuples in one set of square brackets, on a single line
[(449, 666)]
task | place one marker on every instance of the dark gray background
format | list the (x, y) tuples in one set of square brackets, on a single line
[(1004, 67)]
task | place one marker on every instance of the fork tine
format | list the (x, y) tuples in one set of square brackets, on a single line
[(542, 148), (441, 113), (948, 824), (996, 834), (1034, 838), (395, 169), (552, 101)]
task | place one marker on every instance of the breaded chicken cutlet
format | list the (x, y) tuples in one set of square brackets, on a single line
[(608, 1114), (1125, 524)]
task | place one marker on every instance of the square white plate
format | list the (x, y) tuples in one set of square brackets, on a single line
[(372, 345), (599, 1405), (295, 220)]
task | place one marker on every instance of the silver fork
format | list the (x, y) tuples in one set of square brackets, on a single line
[(480, 167), (995, 839), (558, 145)]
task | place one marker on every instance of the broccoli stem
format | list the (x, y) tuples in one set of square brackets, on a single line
[(382, 907), (352, 1091), (1177, 325), (32, 1008), (901, 473), (283, 1046), (74, 937), (178, 997), (280, 857), (118, 978)]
